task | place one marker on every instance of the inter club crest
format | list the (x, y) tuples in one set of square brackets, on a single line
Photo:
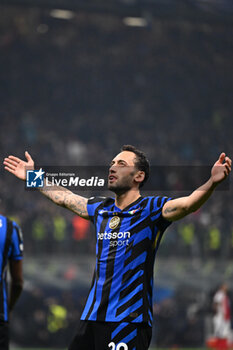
[(114, 222)]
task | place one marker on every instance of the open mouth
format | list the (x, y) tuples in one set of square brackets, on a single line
[(112, 178)]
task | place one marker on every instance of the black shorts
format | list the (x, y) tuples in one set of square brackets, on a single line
[(4, 335), (93, 335)]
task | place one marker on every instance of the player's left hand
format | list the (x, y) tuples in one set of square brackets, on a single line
[(221, 169)]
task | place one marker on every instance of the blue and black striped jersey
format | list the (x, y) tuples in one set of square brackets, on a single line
[(11, 247), (127, 242)]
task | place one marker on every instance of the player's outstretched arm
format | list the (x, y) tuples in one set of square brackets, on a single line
[(178, 208), (58, 194), (67, 199)]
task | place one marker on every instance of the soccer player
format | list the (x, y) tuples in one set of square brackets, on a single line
[(11, 249), (129, 228), (222, 317)]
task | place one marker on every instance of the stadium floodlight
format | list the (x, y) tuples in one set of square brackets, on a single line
[(135, 21), (62, 14)]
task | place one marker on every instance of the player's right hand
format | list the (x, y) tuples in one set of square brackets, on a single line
[(18, 166)]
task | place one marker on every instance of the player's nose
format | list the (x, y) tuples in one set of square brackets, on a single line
[(112, 169)]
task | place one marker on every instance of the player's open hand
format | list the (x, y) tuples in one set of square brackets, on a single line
[(18, 166), (221, 169)]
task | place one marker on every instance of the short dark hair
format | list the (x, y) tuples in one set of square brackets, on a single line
[(141, 163)]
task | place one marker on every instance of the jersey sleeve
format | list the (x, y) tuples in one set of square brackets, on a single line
[(92, 205), (16, 247), (157, 204)]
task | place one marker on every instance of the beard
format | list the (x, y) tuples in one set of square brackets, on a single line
[(121, 187)]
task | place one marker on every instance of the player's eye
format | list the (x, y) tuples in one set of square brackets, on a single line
[(121, 163)]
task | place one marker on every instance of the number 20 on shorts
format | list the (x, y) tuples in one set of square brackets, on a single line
[(120, 346)]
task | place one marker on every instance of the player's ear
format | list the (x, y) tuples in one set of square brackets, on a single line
[(139, 176)]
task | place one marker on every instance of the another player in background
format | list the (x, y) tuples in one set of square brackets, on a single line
[(11, 251), (129, 228), (222, 316)]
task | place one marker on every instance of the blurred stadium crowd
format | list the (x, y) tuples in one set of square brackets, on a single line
[(74, 91)]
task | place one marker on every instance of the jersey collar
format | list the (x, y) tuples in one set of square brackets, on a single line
[(127, 211)]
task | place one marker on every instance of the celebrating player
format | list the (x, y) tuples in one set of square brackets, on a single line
[(129, 228)]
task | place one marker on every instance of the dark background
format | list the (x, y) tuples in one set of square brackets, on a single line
[(72, 92)]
